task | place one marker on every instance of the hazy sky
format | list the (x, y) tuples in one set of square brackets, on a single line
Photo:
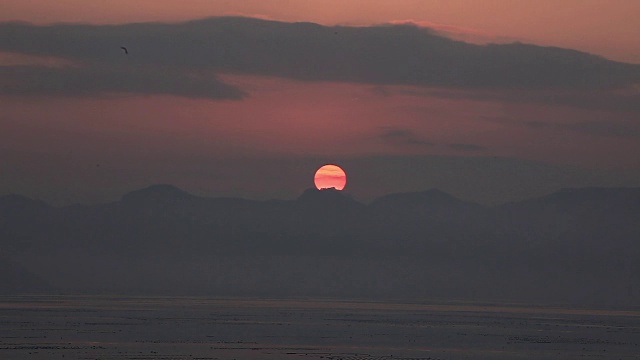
[(252, 107)]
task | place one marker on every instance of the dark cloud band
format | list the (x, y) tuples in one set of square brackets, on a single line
[(393, 54)]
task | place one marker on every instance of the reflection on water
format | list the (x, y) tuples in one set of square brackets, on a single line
[(56, 327)]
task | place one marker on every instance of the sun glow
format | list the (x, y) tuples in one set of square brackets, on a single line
[(330, 176)]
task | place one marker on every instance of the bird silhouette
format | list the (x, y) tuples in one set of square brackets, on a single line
[(125, 50)]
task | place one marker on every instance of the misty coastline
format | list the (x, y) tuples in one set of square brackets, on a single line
[(575, 247)]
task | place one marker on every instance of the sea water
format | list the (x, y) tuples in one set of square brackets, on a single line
[(114, 327)]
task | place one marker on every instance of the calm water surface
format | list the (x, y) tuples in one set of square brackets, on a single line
[(67, 327)]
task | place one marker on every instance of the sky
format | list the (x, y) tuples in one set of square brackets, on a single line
[(491, 101)]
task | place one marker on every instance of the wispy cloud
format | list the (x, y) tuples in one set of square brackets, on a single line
[(466, 147), (398, 136), (402, 137), (605, 127), (625, 99)]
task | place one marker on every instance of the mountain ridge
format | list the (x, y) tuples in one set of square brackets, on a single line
[(409, 245), (167, 191)]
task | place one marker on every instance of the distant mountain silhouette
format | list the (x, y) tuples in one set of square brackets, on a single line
[(329, 196), (430, 205), (158, 193), (579, 216), (20, 206), (575, 246), (326, 202), (595, 196), (433, 197)]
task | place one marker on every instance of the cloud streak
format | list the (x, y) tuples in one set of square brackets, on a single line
[(403, 137), (466, 147), (397, 136), (621, 100), (604, 128), (96, 80)]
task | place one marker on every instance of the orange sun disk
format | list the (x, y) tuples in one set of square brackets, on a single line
[(330, 176)]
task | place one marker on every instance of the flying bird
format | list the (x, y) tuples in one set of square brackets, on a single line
[(125, 50)]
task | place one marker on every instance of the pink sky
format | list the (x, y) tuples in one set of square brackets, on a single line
[(319, 119), (121, 141)]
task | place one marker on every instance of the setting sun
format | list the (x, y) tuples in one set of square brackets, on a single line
[(330, 176)]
